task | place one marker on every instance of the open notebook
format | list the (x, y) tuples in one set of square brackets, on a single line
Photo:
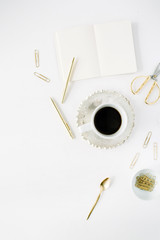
[(100, 50)]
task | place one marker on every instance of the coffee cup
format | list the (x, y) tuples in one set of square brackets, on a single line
[(108, 121)]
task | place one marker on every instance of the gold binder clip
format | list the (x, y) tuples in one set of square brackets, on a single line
[(68, 79), (36, 58), (135, 159), (155, 151), (147, 139), (42, 77), (64, 122)]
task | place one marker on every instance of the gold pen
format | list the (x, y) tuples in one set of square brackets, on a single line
[(68, 79), (64, 122)]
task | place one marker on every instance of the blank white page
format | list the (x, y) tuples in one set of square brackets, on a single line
[(115, 48), (78, 42)]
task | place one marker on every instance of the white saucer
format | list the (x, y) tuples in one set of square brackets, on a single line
[(91, 103)]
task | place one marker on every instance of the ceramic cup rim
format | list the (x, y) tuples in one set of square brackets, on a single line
[(122, 114)]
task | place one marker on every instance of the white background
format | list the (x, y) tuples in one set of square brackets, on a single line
[(48, 182)]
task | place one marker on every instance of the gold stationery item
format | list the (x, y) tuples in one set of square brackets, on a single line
[(42, 77), (64, 122), (103, 186), (145, 182), (155, 151), (147, 139), (146, 80), (36, 52), (68, 79), (135, 159), (145, 144)]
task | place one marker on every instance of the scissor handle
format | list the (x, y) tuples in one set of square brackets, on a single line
[(153, 86), (147, 78)]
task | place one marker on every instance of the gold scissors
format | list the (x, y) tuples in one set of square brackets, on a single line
[(146, 80)]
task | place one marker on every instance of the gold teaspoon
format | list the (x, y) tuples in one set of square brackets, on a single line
[(103, 186)]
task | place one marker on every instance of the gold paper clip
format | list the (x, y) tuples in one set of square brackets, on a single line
[(135, 159), (155, 151), (68, 79), (147, 139), (42, 77), (36, 58), (64, 122)]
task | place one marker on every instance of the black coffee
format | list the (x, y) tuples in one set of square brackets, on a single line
[(107, 120)]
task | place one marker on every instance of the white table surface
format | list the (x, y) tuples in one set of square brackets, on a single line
[(48, 182)]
